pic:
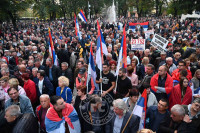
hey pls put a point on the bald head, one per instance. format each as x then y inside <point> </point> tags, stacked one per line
<point>45,101</point>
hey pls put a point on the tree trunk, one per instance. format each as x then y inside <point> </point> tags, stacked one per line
<point>157,4</point>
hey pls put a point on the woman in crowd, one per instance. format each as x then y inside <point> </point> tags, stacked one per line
<point>132,99</point>
<point>113,65</point>
<point>134,64</point>
<point>145,62</point>
<point>181,93</point>
<point>30,88</point>
<point>196,83</point>
<point>63,90</point>
<point>132,77</point>
<point>5,86</point>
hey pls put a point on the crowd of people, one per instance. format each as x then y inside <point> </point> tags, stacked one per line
<point>38,96</point>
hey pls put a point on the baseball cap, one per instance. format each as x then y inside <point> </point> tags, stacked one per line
<point>82,70</point>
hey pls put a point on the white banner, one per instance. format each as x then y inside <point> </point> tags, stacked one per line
<point>137,44</point>
<point>148,33</point>
<point>159,42</point>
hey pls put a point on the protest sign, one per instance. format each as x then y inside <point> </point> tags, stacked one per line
<point>137,44</point>
<point>148,33</point>
<point>159,42</point>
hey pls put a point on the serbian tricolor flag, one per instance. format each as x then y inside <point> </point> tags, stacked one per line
<point>54,124</point>
<point>52,50</point>
<point>104,48</point>
<point>99,53</point>
<point>92,70</point>
<point>133,26</point>
<point>82,16</point>
<point>122,61</point>
<point>141,108</point>
<point>77,28</point>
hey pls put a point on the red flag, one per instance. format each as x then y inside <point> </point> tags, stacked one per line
<point>124,53</point>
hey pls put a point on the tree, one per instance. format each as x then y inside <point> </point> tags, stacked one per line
<point>9,9</point>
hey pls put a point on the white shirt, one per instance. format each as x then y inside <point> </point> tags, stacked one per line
<point>40,85</point>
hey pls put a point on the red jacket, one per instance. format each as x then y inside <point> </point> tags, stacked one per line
<point>168,83</point>
<point>175,97</point>
<point>30,89</point>
<point>176,75</point>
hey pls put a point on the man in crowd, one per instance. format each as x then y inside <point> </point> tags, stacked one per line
<point>161,83</point>
<point>147,78</point>
<point>43,84</point>
<point>120,119</point>
<point>178,123</point>
<point>22,101</point>
<point>63,115</point>
<point>18,122</point>
<point>53,72</point>
<point>176,73</point>
<point>155,114</point>
<point>123,84</point>
<point>41,111</point>
<point>108,81</point>
<point>67,72</point>
<point>171,66</point>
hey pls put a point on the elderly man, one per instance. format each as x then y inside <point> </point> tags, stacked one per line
<point>62,117</point>
<point>41,111</point>
<point>120,119</point>
<point>67,72</point>
<point>20,123</point>
<point>193,111</point>
<point>171,66</point>
<point>178,123</point>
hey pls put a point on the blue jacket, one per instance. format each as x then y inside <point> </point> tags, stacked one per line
<point>24,104</point>
<point>66,94</point>
<point>47,87</point>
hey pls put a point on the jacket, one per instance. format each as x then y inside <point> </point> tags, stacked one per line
<point>132,126</point>
<point>168,83</point>
<point>175,97</point>
<point>195,119</point>
<point>24,104</point>
<point>47,87</point>
<point>66,94</point>
<point>176,75</point>
<point>24,123</point>
<point>30,89</point>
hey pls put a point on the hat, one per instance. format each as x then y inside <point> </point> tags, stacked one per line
<point>34,52</point>
<point>82,70</point>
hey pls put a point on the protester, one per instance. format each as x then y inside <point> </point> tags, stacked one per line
<point>120,119</point>
<point>63,90</point>
<point>156,114</point>
<point>181,93</point>
<point>21,100</point>
<point>18,122</point>
<point>177,122</point>
<point>60,114</point>
<point>161,83</point>
<point>193,111</point>
<point>41,111</point>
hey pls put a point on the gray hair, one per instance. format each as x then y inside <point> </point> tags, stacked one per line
<point>169,58</point>
<point>119,103</point>
<point>45,96</point>
<point>109,55</point>
<point>5,69</point>
<point>65,63</point>
<point>197,100</point>
<point>35,68</point>
<point>14,110</point>
<point>178,109</point>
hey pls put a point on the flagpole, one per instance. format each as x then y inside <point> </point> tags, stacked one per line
<point>116,85</point>
<point>127,122</point>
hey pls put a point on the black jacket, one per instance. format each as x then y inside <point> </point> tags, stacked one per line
<point>132,126</point>
<point>25,123</point>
